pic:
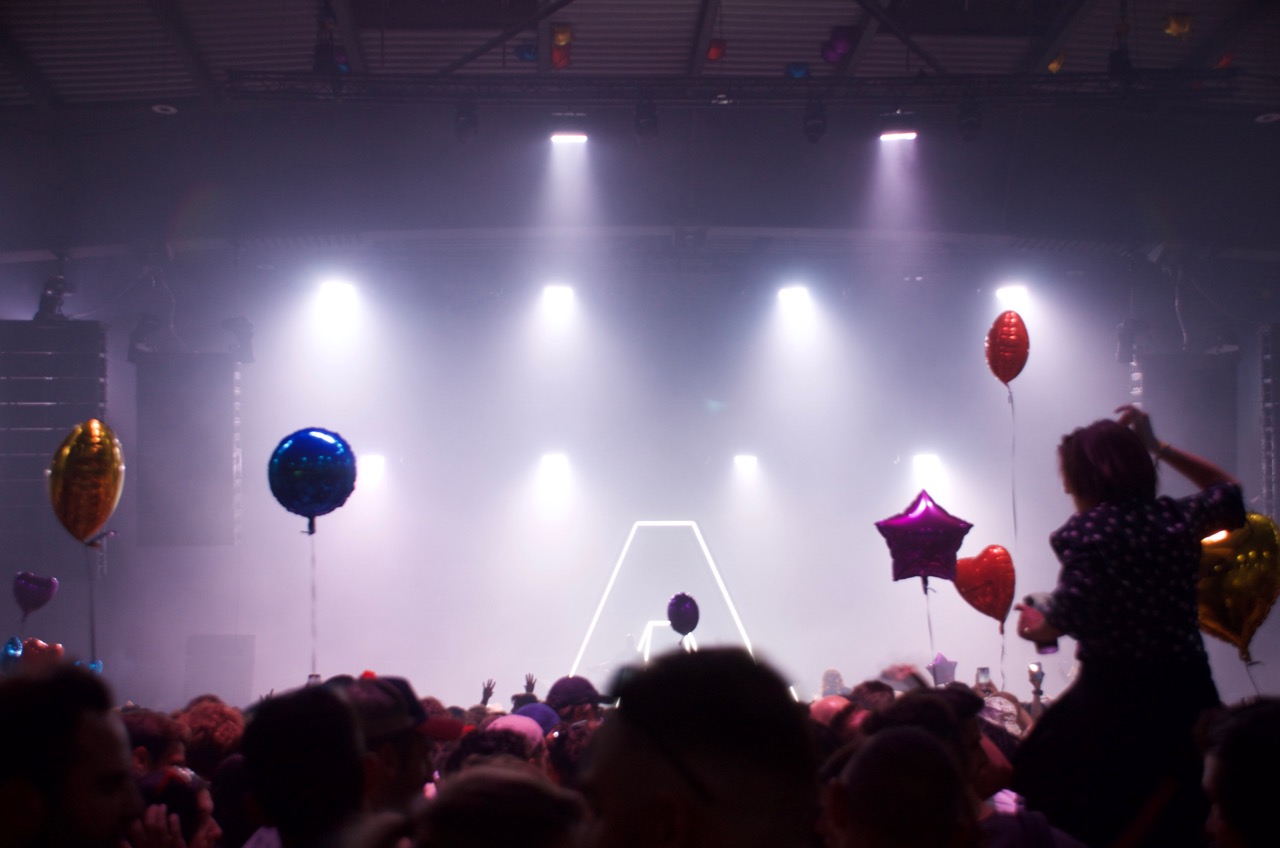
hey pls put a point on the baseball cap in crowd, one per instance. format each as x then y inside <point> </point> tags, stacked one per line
<point>572,691</point>
<point>385,706</point>
<point>546,717</point>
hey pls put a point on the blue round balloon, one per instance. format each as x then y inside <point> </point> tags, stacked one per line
<point>312,472</point>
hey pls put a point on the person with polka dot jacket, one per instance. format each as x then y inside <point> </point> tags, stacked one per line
<point>1114,760</point>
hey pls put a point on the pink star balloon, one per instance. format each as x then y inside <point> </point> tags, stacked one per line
<point>923,540</point>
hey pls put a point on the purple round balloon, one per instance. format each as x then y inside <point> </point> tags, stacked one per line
<point>923,540</point>
<point>33,591</point>
<point>682,612</point>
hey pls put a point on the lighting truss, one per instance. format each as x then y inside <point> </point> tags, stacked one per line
<point>1192,85</point>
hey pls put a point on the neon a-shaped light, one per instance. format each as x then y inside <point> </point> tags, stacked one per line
<point>646,640</point>
<point>622,557</point>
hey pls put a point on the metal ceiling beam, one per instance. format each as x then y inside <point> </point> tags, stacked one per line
<point>175,26</point>
<point>867,33</point>
<point>707,17</point>
<point>1246,14</point>
<point>503,37</point>
<point>27,73</point>
<point>873,8</point>
<point>350,36</point>
<point>1060,31</point>
<point>544,41</point>
<point>1170,86</point>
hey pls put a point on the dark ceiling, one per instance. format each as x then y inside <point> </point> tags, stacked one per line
<point>198,123</point>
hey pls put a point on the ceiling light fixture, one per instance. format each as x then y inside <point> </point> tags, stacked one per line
<point>898,126</point>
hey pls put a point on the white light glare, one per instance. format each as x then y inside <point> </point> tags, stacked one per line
<point>1013,296</point>
<point>557,301</point>
<point>928,471</point>
<point>370,469</point>
<point>568,138</point>
<point>554,485</point>
<point>746,463</point>
<point>554,465</point>
<point>796,303</point>
<point>898,135</point>
<point>336,303</point>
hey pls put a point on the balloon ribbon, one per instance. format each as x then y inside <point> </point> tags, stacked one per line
<point>928,614</point>
<point>1013,464</point>
<point>314,628</point>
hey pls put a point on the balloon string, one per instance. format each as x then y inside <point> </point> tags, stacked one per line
<point>93,612</point>
<point>1248,668</point>
<point>1004,643</point>
<point>314,628</point>
<point>928,615</point>
<point>1013,464</point>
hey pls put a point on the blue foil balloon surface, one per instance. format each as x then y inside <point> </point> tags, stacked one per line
<point>312,472</point>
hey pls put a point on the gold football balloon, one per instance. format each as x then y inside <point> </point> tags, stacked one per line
<point>1239,581</point>
<point>86,478</point>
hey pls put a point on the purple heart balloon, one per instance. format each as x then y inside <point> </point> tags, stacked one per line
<point>33,591</point>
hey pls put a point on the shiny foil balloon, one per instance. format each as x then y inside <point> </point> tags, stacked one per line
<point>86,478</point>
<point>1239,582</point>
<point>682,612</point>
<point>32,591</point>
<point>986,582</point>
<point>923,539</point>
<point>38,655</point>
<point>1007,346</point>
<point>312,472</point>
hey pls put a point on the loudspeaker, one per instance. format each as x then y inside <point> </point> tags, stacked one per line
<point>221,665</point>
<point>186,448</point>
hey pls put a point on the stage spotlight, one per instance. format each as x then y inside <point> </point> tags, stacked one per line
<point>554,480</point>
<point>969,118</point>
<point>646,119</point>
<point>815,121</point>
<point>466,121</point>
<point>335,304</point>
<point>795,300</point>
<point>558,302</point>
<point>370,469</point>
<point>569,128</point>
<point>745,463</point>
<point>1013,296</point>
<point>898,126</point>
<point>928,473</point>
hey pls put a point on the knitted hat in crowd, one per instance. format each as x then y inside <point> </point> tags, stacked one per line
<point>546,717</point>
<point>571,692</point>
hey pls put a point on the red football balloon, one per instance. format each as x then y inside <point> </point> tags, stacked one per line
<point>1007,346</point>
<point>987,582</point>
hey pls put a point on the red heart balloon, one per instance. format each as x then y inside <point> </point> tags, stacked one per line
<point>1007,346</point>
<point>987,582</point>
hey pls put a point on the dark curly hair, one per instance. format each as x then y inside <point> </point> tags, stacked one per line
<point>1106,462</point>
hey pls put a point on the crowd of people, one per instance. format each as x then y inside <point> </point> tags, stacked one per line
<point>710,748</point>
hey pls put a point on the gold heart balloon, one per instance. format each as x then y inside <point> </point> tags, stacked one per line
<point>86,478</point>
<point>1239,581</point>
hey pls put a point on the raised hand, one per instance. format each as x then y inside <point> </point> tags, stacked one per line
<point>529,682</point>
<point>486,691</point>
